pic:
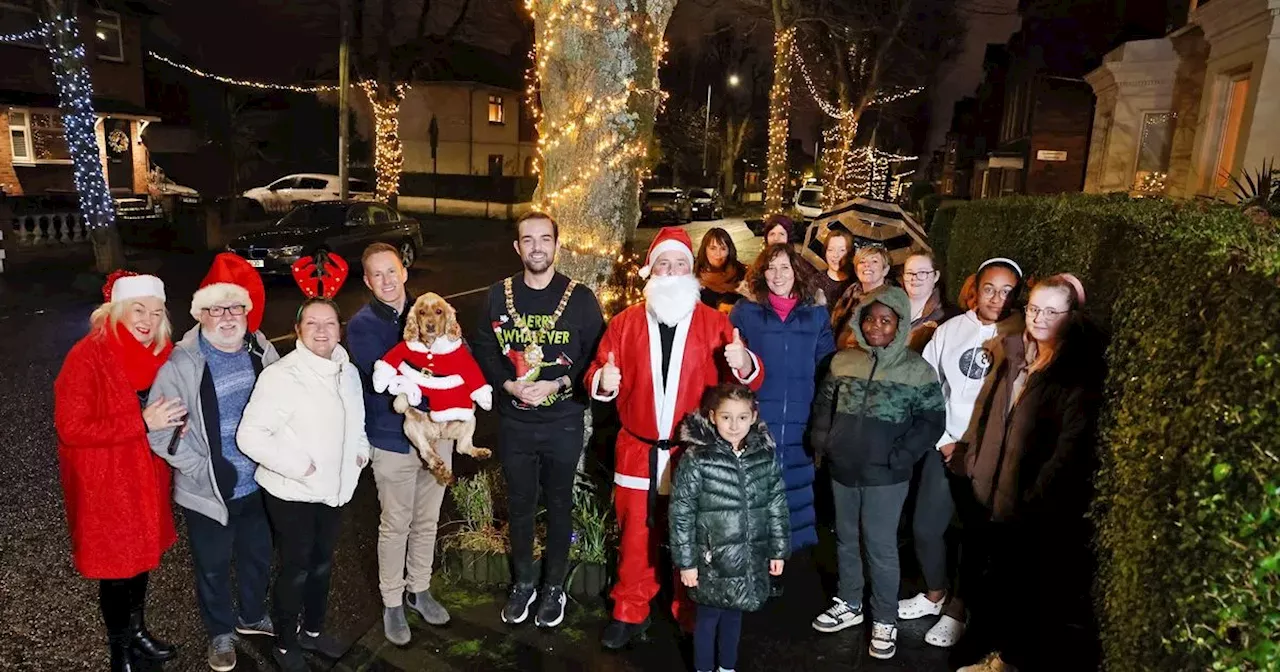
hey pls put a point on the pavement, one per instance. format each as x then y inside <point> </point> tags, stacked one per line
<point>48,615</point>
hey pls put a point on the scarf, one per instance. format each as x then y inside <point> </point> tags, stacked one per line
<point>140,363</point>
<point>782,305</point>
<point>723,281</point>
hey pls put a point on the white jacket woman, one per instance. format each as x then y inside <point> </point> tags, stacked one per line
<point>307,411</point>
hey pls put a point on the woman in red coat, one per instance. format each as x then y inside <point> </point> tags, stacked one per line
<point>116,489</point>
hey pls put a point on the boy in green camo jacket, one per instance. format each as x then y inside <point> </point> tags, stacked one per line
<point>878,410</point>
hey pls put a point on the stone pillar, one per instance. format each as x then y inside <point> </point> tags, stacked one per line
<point>1188,89</point>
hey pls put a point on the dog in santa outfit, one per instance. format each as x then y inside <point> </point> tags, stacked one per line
<point>656,360</point>
<point>433,362</point>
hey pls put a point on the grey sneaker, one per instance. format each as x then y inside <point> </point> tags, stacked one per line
<point>431,611</point>
<point>839,616</point>
<point>884,640</point>
<point>395,626</point>
<point>222,653</point>
<point>263,627</point>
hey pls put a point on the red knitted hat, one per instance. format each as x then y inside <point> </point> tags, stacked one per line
<point>669,238</point>
<point>232,278</point>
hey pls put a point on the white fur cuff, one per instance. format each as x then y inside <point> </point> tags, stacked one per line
<point>383,373</point>
<point>484,397</point>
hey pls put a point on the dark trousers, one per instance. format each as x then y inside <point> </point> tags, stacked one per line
<point>305,534</point>
<point>540,456</point>
<point>930,518</point>
<point>716,633</point>
<point>247,536</point>
<point>118,599</point>
<point>867,518</point>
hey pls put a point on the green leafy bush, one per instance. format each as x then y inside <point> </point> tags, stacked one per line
<point>1188,506</point>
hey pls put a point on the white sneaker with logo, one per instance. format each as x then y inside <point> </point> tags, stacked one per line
<point>839,616</point>
<point>884,640</point>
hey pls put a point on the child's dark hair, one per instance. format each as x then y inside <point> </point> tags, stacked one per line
<point>714,396</point>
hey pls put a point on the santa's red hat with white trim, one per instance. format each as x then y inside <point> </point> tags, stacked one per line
<point>669,239</point>
<point>231,279</point>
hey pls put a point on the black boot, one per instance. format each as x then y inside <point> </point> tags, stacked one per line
<point>121,654</point>
<point>144,644</point>
<point>617,634</point>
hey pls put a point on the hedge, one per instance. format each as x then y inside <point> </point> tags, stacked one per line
<point>1188,505</point>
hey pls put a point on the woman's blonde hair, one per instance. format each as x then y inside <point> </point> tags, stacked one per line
<point>108,315</point>
<point>869,250</point>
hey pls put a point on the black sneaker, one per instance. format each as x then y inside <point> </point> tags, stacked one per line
<point>523,595</point>
<point>289,661</point>
<point>617,634</point>
<point>322,644</point>
<point>551,608</point>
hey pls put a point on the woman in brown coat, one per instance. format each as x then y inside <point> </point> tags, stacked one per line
<point>1031,467</point>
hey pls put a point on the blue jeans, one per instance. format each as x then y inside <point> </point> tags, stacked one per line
<point>867,518</point>
<point>246,535</point>
<point>716,631</point>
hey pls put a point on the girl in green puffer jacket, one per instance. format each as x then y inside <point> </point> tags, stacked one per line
<point>730,527</point>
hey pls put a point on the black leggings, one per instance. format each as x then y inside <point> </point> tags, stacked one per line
<point>118,599</point>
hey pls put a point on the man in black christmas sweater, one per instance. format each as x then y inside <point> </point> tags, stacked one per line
<point>536,336</point>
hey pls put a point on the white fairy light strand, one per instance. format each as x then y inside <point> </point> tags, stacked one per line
<point>323,88</point>
<point>833,111</point>
<point>28,36</point>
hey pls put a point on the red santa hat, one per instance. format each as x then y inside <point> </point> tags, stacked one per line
<point>231,279</point>
<point>669,238</point>
<point>124,285</point>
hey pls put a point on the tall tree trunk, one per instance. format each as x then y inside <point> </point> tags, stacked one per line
<point>75,98</point>
<point>779,170</point>
<point>388,159</point>
<point>735,134</point>
<point>598,83</point>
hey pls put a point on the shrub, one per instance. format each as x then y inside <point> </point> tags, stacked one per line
<point>1188,506</point>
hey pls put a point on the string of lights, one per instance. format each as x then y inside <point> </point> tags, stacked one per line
<point>241,82</point>
<point>75,91</point>
<point>388,151</point>
<point>779,116</point>
<point>827,108</point>
<point>26,36</point>
<point>604,122</point>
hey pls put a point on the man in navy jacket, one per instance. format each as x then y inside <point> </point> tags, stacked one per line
<point>409,495</point>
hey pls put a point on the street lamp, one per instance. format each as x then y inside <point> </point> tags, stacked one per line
<point>706,125</point>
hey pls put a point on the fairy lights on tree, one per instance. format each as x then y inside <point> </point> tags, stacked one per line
<point>596,68</point>
<point>388,150</point>
<point>777,168</point>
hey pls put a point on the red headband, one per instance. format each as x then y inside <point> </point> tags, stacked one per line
<point>320,275</point>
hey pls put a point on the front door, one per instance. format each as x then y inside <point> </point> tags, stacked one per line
<point>119,141</point>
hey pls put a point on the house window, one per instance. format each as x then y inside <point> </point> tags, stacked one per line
<point>19,17</point>
<point>38,137</point>
<point>1232,118</point>
<point>497,113</point>
<point>20,135</point>
<point>1153,152</point>
<point>495,165</point>
<point>109,41</point>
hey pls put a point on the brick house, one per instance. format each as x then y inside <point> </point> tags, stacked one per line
<point>34,160</point>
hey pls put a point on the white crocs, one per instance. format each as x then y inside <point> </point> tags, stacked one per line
<point>945,633</point>
<point>919,607</point>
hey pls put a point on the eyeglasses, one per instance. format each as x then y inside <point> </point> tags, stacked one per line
<point>988,291</point>
<point>919,275</point>
<point>1050,314</point>
<point>217,311</point>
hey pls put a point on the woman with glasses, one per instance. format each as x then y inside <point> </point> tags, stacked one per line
<point>964,353</point>
<point>871,265</point>
<point>1030,468</point>
<point>920,278</point>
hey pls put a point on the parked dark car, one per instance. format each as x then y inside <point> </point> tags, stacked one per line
<point>706,204</point>
<point>665,206</point>
<point>344,227</point>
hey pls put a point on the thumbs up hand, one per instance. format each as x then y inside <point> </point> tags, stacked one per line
<point>735,353</point>
<point>610,376</point>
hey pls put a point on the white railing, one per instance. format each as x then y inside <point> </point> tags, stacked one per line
<point>52,228</point>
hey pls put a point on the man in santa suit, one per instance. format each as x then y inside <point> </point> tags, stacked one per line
<point>656,359</point>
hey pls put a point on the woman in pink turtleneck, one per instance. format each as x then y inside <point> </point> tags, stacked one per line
<point>787,330</point>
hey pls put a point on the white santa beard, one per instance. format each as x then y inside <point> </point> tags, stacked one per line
<point>224,339</point>
<point>671,298</point>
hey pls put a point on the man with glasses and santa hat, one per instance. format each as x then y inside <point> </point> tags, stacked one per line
<point>656,359</point>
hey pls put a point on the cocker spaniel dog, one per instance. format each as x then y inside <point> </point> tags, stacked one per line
<point>433,363</point>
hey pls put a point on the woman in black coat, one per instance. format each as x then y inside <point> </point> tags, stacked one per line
<point>1031,465</point>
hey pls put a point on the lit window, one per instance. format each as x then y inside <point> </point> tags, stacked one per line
<point>20,135</point>
<point>108,40</point>
<point>497,113</point>
<point>1153,152</point>
<point>1233,114</point>
<point>495,165</point>
<point>48,137</point>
